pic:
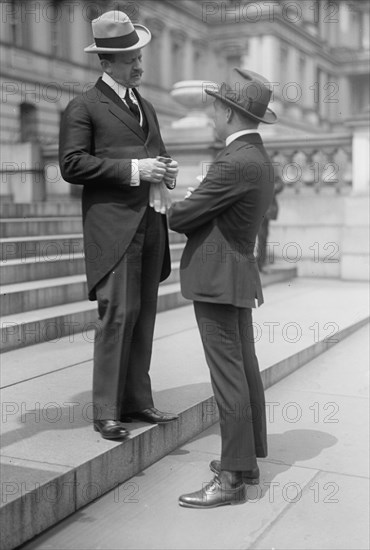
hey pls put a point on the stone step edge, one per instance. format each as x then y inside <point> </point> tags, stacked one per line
<point>42,284</point>
<point>65,257</point>
<point>51,313</point>
<point>65,320</point>
<point>6,240</point>
<point>26,286</point>
<point>55,323</point>
<point>164,288</point>
<point>154,443</point>
<point>60,236</point>
<point>37,219</point>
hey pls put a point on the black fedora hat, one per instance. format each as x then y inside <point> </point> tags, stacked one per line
<point>249,95</point>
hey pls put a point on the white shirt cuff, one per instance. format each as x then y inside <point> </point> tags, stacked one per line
<point>135,176</point>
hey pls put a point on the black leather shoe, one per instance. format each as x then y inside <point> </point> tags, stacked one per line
<point>215,493</point>
<point>250,477</point>
<point>110,429</point>
<point>151,415</point>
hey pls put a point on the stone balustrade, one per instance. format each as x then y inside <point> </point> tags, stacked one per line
<point>316,162</point>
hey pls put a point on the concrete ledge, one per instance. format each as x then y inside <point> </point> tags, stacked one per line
<point>32,505</point>
<point>280,370</point>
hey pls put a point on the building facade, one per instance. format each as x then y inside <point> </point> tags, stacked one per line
<point>315,53</point>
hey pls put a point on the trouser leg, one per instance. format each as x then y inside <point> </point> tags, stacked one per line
<point>219,327</point>
<point>262,243</point>
<point>138,394</point>
<point>127,308</point>
<point>257,413</point>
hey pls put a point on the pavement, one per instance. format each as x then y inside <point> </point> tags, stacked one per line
<point>314,487</point>
<point>54,464</point>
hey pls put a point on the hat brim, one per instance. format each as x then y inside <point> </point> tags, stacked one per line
<point>268,118</point>
<point>145,37</point>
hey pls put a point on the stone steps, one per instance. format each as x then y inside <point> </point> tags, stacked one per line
<point>19,271</point>
<point>67,315</point>
<point>42,247</point>
<point>18,227</point>
<point>42,267</point>
<point>45,310</point>
<point>28,285</point>
<point>40,209</point>
<point>18,298</point>
<point>52,247</point>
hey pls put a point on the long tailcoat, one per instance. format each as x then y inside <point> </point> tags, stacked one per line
<point>98,139</point>
<point>221,219</point>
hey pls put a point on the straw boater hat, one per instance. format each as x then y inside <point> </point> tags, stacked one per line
<point>114,32</point>
<point>249,95</point>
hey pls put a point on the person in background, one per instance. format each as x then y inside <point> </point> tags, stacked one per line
<point>263,233</point>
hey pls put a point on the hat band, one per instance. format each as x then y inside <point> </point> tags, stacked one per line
<point>255,108</point>
<point>118,41</point>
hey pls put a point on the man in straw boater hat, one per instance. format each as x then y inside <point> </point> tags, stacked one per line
<point>219,273</point>
<point>110,143</point>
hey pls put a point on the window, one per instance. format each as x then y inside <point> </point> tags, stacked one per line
<point>178,53</point>
<point>153,57</point>
<point>60,29</point>
<point>28,122</point>
<point>19,19</point>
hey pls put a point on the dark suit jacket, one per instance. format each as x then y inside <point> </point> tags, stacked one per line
<point>98,139</point>
<point>221,219</point>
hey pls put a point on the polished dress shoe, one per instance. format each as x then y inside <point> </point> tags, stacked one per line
<point>151,415</point>
<point>218,492</point>
<point>250,477</point>
<point>110,429</point>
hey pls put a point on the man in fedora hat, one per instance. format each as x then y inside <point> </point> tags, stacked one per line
<point>219,273</point>
<point>111,144</point>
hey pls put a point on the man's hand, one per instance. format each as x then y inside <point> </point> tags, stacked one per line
<point>151,170</point>
<point>172,169</point>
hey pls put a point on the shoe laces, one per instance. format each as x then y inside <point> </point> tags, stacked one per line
<point>213,485</point>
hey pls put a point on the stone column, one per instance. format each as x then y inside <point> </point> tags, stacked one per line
<point>360,153</point>
<point>355,258</point>
<point>166,59</point>
<point>269,66</point>
<point>252,59</point>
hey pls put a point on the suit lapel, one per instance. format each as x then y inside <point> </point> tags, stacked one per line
<point>118,108</point>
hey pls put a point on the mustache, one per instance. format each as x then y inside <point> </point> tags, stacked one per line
<point>138,72</point>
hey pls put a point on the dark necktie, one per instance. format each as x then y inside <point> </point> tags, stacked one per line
<point>132,106</point>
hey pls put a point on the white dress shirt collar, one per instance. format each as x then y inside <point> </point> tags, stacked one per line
<point>121,92</point>
<point>235,135</point>
<point>116,87</point>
